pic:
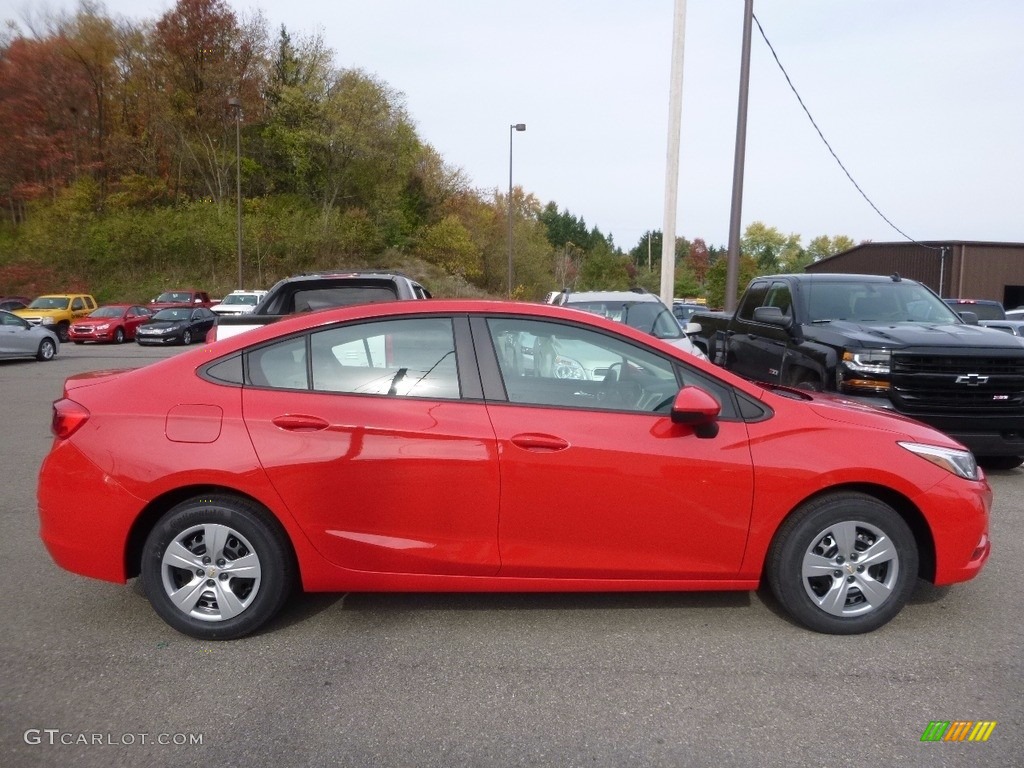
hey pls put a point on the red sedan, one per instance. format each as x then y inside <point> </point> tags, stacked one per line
<point>113,323</point>
<point>491,446</point>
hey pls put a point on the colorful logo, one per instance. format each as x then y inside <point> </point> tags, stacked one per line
<point>958,730</point>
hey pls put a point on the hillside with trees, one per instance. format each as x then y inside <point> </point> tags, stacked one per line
<point>118,173</point>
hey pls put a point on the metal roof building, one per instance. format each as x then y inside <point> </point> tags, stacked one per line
<point>956,269</point>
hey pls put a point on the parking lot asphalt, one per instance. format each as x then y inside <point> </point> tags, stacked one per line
<point>91,676</point>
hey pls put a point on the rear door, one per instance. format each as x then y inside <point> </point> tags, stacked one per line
<point>375,435</point>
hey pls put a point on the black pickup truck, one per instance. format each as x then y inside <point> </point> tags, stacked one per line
<point>320,290</point>
<point>885,341</point>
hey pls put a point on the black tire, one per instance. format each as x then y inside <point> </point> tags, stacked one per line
<point>186,337</point>
<point>837,535</point>
<point>119,336</point>
<point>806,380</point>
<point>47,350</point>
<point>1000,462</point>
<point>63,331</point>
<point>214,604</point>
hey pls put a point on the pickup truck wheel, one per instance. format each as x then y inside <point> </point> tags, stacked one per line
<point>843,564</point>
<point>1000,462</point>
<point>216,567</point>
<point>807,381</point>
<point>63,332</point>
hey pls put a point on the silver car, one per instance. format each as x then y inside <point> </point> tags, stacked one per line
<point>637,309</point>
<point>19,338</point>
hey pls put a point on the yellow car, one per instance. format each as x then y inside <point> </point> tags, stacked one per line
<point>56,311</point>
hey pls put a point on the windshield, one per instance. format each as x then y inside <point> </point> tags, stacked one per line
<point>248,299</point>
<point>108,312</point>
<point>173,296</point>
<point>895,302</point>
<point>173,314</point>
<point>50,302</point>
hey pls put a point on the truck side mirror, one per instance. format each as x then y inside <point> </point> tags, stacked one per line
<point>971,318</point>
<point>772,316</point>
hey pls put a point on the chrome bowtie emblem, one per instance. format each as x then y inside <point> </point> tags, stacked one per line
<point>972,380</point>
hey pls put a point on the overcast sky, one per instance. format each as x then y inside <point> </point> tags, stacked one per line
<point>922,100</point>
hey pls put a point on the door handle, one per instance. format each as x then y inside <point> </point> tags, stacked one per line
<point>532,441</point>
<point>300,423</point>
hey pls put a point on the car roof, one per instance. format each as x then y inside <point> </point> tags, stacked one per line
<point>634,296</point>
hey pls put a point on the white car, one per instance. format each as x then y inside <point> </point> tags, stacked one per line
<point>238,302</point>
<point>641,310</point>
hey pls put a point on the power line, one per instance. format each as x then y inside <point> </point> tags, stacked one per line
<point>829,146</point>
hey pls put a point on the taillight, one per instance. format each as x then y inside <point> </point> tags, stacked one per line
<point>68,416</point>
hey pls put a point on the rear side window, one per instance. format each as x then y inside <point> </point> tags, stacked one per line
<point>396,358</point>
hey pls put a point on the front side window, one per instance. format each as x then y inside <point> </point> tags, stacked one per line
<point>552,364</point>
<point>752,299</point>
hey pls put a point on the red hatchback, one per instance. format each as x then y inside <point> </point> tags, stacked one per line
<point>112,322</point>
<point>489,446</point>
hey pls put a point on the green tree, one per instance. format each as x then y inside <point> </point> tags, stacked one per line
<point>772,250</point>
<point>717,277</point>
<point>824,246</point>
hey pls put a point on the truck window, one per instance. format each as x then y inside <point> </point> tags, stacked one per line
<point>779,296</point>
<point>753,299</point>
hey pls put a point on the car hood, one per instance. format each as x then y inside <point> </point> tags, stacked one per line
<point>686,345</point>
<point>26,312</point>
<point>837,408</point>
<point>896,335</point>
<point>153,325</point>
<point>93,321</point>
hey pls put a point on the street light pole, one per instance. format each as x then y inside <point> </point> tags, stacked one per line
<point>236,104</point>
<point>511,128</point>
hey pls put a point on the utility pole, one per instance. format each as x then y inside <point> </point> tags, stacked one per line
<point>675,113</point>
<point>732,274</point>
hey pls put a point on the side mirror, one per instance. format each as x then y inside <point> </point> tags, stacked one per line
<point>772,316</point>
<point>691,328</point>
<point>971,318</point>
<point>696,408</point>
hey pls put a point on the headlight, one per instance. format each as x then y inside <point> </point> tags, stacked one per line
<point>567,368</point>
<point>102,327</point>
<point>46,321</point>
<point>865,371</point>
<point>959,462</point>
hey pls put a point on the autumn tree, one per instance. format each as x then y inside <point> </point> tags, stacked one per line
<point>207,57</point>
<point>698,260</point>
